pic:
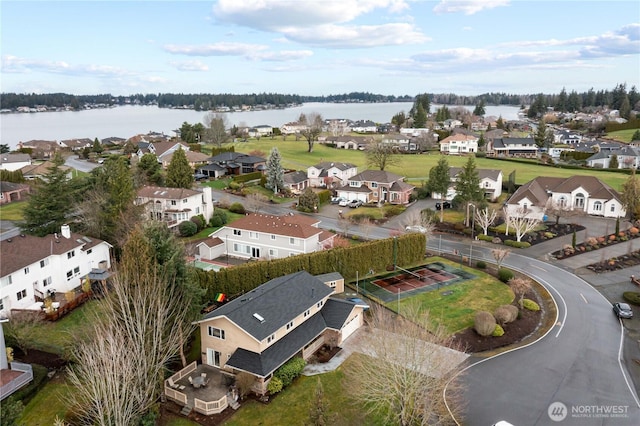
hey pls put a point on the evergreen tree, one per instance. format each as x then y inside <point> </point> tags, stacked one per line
<point>149,170</point>
<point>481,141</point>
<point>97,146</point>
<point>467,186</point>
<point>562,101</point>
<point>51,205</point>
<point>308,201</point>
<point>574,103</point>
<point>541,134</point>
<point>421,99</point>
<point>4,148</point>
<point>179,172</point>
<point>420,119</point>
<point>631,195</point>
<point>500,123</point>
<point>439,181</point>
<point>613,162</point>
<point>479,109</point>
<point>636,136</point>
<point>275,173</point>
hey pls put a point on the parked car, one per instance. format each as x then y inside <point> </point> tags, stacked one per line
<point>336,200</point>
<point>416,228</point>
<point>354,204</point>
<point>622,310</point>
<point>343,203</point>
<point>200,176</point>
<point>445,205</point>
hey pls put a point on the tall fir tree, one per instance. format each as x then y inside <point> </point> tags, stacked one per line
<point>439,181</point>
<point>468,188</point>
<point>275,173</point>
<point>179,172</point>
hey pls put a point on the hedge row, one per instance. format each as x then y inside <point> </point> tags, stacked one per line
<point>376,255</point>
<point>247,177</point>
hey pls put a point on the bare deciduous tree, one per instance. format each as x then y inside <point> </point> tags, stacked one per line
<point>520,286</point>
<point>520,222</point>
<point>404,381</point>
<point>256,202</point>
<point>381,155</point>
<point>21,328</point>
<point>500,255</point>
<point>485,218</point>
<point>422,219</point>
<point>560,209</point>
<point>312,123</point>
<point>216,132</point>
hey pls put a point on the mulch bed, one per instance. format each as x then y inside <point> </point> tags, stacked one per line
<point>34,356</point>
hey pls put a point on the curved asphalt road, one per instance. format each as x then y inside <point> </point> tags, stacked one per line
<point>576,363</point>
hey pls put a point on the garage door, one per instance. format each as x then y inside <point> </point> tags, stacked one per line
<point>351,326</point>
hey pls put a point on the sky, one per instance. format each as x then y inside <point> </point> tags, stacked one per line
<point>318,47</point>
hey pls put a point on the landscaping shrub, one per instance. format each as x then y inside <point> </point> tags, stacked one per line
<point>505,275</point>
<point>234,186</point>
<point>216,222</point>
<point>244,382</point>
<point>275,385</point>
<point>631,297</point>
<point>237,208</point>
<point>290,370</point>
<point>198,221</point>
<point>530,305</point>
<point>484,323</point>
<point>187,228</point>
<point>517,244</point>
<point>483,237</point>
<point>505,314</point>
<point>324,196</point>
<point>393,210</point>
<point>498,331</point>
<point>221,217</point>
<point>481,264</point>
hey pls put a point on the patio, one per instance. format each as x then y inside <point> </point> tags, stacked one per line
<point>209,399</point>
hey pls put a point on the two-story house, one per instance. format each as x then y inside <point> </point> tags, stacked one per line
<point>376,186</point>
<point>161,149</point>
<point>237,163</point>
<point>458,144</point>
<point>263,236</point>
<point>175,205</point>
<point>33,266</point>
<point>329,175</point>
<point>364,126</point>
<point>400,141</point>
<point>628,157</point>
<point>490,182</point>
<point>585,194</point>
<point>285,317</point>
<point>512,147</point>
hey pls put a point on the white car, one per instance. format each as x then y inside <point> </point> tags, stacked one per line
<point>416,228</point>
<point>343,203</point>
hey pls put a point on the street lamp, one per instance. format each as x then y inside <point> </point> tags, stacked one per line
<point>473,225</point>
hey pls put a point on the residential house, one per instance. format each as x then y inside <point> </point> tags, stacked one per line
<point>162,150</point>
<point>40,148</point>
<point>288,316</point>
<point>401,142</point>
<point>260,131</point>
<point>194,158</point>
<point>237,163</point>
<point>566,137</point>
<point>331,175</point>
<point>358,143</point>
<point>39,171</point>
<point>296,181</point>
<point>32,266</point>
<point>585,194</point>
<point>175,205</point>
<point>113,141</point>
<point>628,157</point>
<point>364,126</point>
<point>292,128</point>
<point>10,191</point>
<point>76,144</point>
<point>512,147</point>
<point>13,162</point>
<point>263,236</point>
<point>490,182</point>
<point>450,124</point>
<point>376,186</point>
<point>458,144</point>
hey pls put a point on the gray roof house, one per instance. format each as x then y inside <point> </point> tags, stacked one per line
<point>375,186</point>
<point>512,147</point>
<point>628,157</point>
<point>288,316</point>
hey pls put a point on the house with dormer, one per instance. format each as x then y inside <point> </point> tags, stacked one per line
<point>33,266</point>
<point>585,194</point>
<point>364,126</point>
<point>331,174</point>
<point>175,205</point>
<point>161,149</point>
<point>400,142</point>
<point>264,236</point>
<point>459,144</point>
<point>376,186</point>
<point>288,316</point>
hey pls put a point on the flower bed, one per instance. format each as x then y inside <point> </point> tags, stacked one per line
<point>596,243</point>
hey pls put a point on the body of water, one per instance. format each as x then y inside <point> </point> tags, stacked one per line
<point>127,121</point>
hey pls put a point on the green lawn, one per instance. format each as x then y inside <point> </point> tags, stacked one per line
<point>456,311</point>
<point>622,135</point>
<point>12,211</point>
<point>50,401</point>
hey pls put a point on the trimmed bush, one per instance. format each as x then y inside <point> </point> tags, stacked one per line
<point>631,297</point>
<point>483,237</point>
<point>530,305</point>
<point>199,222</point>
<point>481,264</point>
<point>505,314</point>
<point>237,208</point>
<point>484,323</point>
<point>498,331</point>
<point>517,244</point>
<point>275,385</point>
<point>290,370</point>
<point>187,228</point>
<point>505,275</point>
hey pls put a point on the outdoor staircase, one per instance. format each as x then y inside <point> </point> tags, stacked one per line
<point>186,410</point>
<point>234,404</point>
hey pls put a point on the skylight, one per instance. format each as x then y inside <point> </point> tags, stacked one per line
<point>258,317</point>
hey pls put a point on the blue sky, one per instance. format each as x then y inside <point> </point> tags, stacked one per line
<point>318,47</point>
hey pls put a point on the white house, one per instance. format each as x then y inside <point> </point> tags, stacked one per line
<point>490,182</point>
<point>586,194</point>
<point>13,162</point>
<point>175,205</point>
<point>263,236</point>
<point>400,141</point>
<point>364,126</point>
<point>260,131</point>
<point>326,174</point>
<point>459,143</point>
<point>33,266</point>
<point>628,157</point>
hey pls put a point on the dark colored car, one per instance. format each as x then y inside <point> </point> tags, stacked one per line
<point>622,310</point>
<point>446,205</point>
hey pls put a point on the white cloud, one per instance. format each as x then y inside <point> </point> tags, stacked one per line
<point>281,56</point>
<point>15,64</point>
<point>189,66</point>
<point>215,49</point>
<point>345,37</point>
<point>468,7</point>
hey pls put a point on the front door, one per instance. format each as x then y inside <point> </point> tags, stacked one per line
<point>213,357</point>
<point>255,252</point>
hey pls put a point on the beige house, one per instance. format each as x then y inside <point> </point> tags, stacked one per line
<point>328,174</point>
<point>375,186</point>
<point>458,144</point>
<point>175,205</point>
<point>288,316</point>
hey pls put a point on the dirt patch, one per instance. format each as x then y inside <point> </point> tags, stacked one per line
<point>46,359</point>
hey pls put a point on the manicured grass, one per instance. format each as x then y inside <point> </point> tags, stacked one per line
<point>217,184</point>
<point>291,407</point>
<point>415,167</point>
<point>374,212</point>
<point>181,421</point>
<point>50,401</point>
<point>456,311</point>
<point>622,135</point>
<point>12,211</point>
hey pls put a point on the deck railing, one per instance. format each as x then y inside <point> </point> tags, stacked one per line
<point>18,382</point>
<point>210,407</point>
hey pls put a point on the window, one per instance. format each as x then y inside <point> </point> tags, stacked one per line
<point>562,201</point>
<point>237,232</point>
<point>26,270</point>
<point>271,338</point>
<point>579,201</point>
<point>253,235</point>
<point>21,294</point>
<point>69,275</point>
<point>374,184</point>
<point>354,183</point>
<point>1,304</point>
<point>44,263</point>
<point>273,252</point>
<point>290,325</point>
<point>293,241</point>
<point>71,254</point>
<point>173,202</point>
<point>597,206</point>
<point>197,210</point>
<point>46,281</point>
<point>319,304</point>
<point>332,284</point>
<point>216,332</point>
<point>613,208</point>
<point>307,313</point>
<point>76,270</point>
<point>273,237</point>
<point>10,280</point>
<point>89,251</point>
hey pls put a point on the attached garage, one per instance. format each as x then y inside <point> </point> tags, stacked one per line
<point>352,325</point>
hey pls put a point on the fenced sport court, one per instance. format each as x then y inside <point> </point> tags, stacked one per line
<point>404,283</point>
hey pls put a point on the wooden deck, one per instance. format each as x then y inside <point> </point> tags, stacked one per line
<point>207,400</point>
